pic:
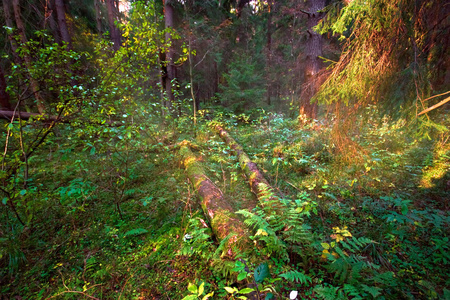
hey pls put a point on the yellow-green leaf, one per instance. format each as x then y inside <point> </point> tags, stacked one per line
<point>231,290</point>
<point>325,246</point>
<point>201,288</point>
<point>246,291</point>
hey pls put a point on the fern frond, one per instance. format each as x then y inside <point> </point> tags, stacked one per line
<point>329,293</point>
<point>373,290</point>
<point>135,232</point>
<point>352,291</point>
<point>296,276</point>
<point>384,278</point>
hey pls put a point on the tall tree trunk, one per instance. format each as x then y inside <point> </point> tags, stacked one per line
<point>10,24</point>
<point>169,25</point>
<point>62,23</point>
<point>114,31</point>
<point>269,51</point>
<point>240,6</point>
<point>191,77</point>
<point>98,16</point>
<point>34,85</point>
<point>4,96</point>
<point>313,64</point>
<point>50,15</point>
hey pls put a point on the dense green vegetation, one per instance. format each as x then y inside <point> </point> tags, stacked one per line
<point>95,199</point>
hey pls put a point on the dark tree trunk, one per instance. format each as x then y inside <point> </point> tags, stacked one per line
<point>10,24</point>
<point>62,23</point>
<point>269,52</point>
<point>9,114</point>
<point>34,85</point>
<point>170,67</point>
<point>240,6</point>
<point>4,96</point>
<point>98,16</point>
<point>114,31</point>
<point>313,64</point>
<point>50,16</point>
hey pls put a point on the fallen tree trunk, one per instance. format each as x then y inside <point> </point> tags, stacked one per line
<point>258,184</point>
<point>219,212</point>
<point>9,114</point>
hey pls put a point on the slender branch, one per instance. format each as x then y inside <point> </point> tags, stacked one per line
<point>437,96</point>
<point>305,12</point>
<point>201,59</point>
<point>435,106</point>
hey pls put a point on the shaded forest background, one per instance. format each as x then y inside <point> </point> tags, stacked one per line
<point>342,104</point>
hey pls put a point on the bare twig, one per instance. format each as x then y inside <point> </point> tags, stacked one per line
<point>437,96</point>
<point>435,106</point>
<point>201,59</point>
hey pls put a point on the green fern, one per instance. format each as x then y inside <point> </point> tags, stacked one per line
<point>296,276</point>
<point>329,293</point>
<point>372,290</point>
<point>353,291</point>
<point>384,278</point>
<point>135,232</point>
<point>349,265</point>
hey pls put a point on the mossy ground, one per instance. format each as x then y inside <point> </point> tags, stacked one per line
<point>111,224</point>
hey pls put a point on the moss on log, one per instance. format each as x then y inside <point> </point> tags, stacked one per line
<point>258,184</point>
<point>219,212</point>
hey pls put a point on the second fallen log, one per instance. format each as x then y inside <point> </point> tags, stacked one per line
<point>218,211</point>
<point>258,184</point>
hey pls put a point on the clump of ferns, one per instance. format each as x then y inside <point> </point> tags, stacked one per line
<point>280,228</point>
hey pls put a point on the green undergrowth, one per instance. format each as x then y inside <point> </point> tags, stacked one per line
<point>112,215</point>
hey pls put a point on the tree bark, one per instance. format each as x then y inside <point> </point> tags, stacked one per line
<point>219,212</point>
<point>269,52</point>
<point>170,66</point>
<point>8,114</point>
<point>10,24</point>
<point>4,96</point>
<point>313,64</point>
<point>34,85</point>
<point>62,22</point>
<point>258,184</point>
<point>240,6</point>
<point>98,16</point>
<point>50,16</point>
<point>114,31</point>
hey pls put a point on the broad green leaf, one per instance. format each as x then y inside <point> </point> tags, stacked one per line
<point>192,288</point>
<point>208,295</point>
<point>325,246</point>
<point>261,272</point>
<point>246,290</point>
<point>241,276</point>
<point>190,297</point>
<point>231,290</point>
<point>269,296</point>
<point>201,288</point>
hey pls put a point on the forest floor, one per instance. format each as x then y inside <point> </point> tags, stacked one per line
<point>364,216</point>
